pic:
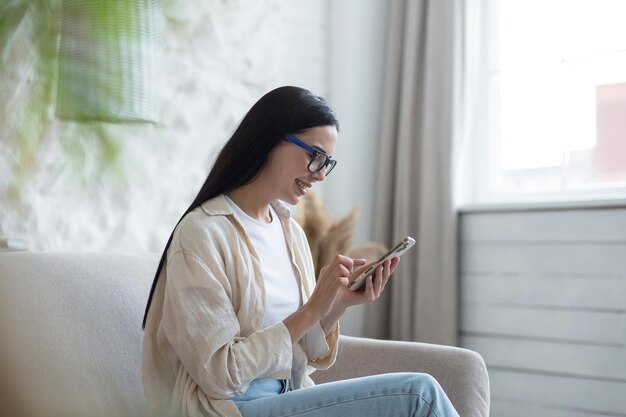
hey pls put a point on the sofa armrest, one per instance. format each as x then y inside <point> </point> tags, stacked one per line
<point>461,372</point>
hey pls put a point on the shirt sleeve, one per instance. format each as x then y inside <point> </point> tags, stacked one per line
<point>314,342</point>
<point>324,357</point>
<point>200,323</point>
<point>321,349</point>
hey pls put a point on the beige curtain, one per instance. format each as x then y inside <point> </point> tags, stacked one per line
<point>415,178</point>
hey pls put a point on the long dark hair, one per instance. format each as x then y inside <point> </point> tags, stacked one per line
<point>279,112</point>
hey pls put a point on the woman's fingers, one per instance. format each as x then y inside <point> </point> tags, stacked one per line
<point>369,293</point>
<point>342,271</point>
<point>386,273</point>
<point>335,274</point>
<point>374,284</point>
<point>359,268</point>
<point>394,262</point>
<point>341,266</point>
<point>380,278</point>
<point>359,261</point>
<point>379,282</point>
<point>345,262</point>
<point>342,274</point>
<point>389,268</point>
<point>331,279</point>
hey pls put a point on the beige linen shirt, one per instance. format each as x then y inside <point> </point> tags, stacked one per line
<point>202,341</point>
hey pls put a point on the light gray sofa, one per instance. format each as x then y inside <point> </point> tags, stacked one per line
<point>70,341</point>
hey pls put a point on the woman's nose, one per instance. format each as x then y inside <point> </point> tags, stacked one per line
<point>320,175</point>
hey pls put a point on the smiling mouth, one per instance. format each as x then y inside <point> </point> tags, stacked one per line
<point>302,186</point>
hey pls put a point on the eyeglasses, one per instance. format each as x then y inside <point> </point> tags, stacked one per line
<point>319,160</point>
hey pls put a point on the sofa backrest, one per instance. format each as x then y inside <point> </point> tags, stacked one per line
<point>70,333</point>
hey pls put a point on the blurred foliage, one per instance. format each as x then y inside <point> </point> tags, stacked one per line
<point>108,59</point>
<point>29,58</point>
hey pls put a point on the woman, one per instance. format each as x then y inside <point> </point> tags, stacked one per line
<point>236,322</point>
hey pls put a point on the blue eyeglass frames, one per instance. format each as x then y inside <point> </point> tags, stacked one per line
<point>319,160</point>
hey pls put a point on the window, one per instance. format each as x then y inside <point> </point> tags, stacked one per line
<point>550,122</point>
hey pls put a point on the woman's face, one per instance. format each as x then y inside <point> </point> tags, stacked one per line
<point>286,170</point>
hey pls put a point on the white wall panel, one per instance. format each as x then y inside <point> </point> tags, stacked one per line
<point>543,299</point>
<point>593,292</point>
<point>546,225</point>
<point>574,359</point>
<point>559,393</point>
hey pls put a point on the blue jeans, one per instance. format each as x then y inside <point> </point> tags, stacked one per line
<point>398,394</point>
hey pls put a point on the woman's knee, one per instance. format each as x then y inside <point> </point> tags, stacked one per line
<point>425,384</point>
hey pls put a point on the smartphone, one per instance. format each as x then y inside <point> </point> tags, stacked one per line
<point>404,245</point>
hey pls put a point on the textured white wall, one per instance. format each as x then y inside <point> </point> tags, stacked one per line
<point>359,34</point>
<point>219,57</point>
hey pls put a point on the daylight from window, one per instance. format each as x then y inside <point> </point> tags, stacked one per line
<point>560,95</point>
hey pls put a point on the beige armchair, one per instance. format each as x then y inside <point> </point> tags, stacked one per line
<point>71,341</point>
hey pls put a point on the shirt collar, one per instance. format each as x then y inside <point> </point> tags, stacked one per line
<point>281,208</point>
<point>218,206</point>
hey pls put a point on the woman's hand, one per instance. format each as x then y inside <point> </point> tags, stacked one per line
<point>333,279</point>
<point>332,296</point>
<point>374,284</point>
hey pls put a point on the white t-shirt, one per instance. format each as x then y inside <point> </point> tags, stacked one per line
<point>281,287</point>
